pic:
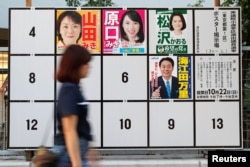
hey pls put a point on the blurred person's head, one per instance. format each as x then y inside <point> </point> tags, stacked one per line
<point>74,64</point>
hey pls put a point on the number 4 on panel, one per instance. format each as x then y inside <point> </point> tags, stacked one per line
<point>32,32</point>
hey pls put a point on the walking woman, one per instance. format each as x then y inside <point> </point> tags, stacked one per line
<point>73,129</point>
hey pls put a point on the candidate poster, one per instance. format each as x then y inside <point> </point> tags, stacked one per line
<point>217,31</point>
<point>124,31</point>
<point>217,77</point>
<point>170,77</point>
<point>172,32</point>
<point>78,27</point>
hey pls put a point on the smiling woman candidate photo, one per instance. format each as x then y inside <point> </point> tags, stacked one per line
<point>69,26</point>
<point>131,29</point>
<point>177,24</point>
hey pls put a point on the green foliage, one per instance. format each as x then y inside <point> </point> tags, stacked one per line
<point>245,14</point>
<point>99,3</point>
<point>80,3</point>
<point>73,3</point>
<point>197,4</point>
<point>229,2</point>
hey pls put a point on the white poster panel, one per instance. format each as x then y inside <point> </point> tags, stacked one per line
<point>171,124</point>
<point>32,31</point>
<point>94,117</point>
<point>90,86</point>
<point>217,31</point>
<point>32,124</point>
<point>124,124</point>
<point>217,124</point>
<point>125,78</point>
<point>32,78</point>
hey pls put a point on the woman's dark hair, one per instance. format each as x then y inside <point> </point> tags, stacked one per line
<point>167,59</point>
<point>134,16</point>
<point>73,15</point>
<point>72,59</point>
<point>182,19</point>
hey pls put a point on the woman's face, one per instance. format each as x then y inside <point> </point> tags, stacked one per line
<point>84,70</point>
<point>177,23</point>
<point>166,69</point>
<point>69,31</point>
<point>130,27</point>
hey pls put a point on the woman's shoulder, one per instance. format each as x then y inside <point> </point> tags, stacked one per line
<point>69,89</point>
<point>69,86</point>
<point>176,36</point>
<point>126,44</point>
<point>60,47</point>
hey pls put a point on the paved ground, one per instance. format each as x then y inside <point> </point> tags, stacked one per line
<point>21,162</point>
<point>18,159</point>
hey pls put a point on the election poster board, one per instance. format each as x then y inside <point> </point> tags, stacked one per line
<point>160,78</point>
